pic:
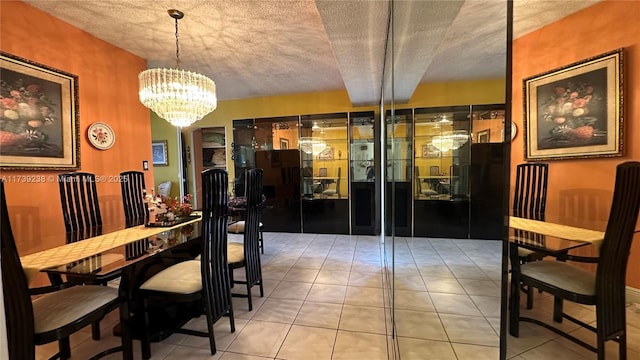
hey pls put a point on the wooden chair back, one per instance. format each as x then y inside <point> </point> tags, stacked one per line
<point>215,272</point>
<point>253,179</point>
<point>17,302</point>
<point>80,207</point>
<point>136,211</point>
<point>530,195</point>
<point>615,249</point>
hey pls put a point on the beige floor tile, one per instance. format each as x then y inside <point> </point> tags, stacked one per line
<point>187,352</point>
<point>420,349</point>
<point>308,343</point>
<point>414,283</point>
<point>260,338</point>
<point>221,330</point>
<point>428,271</point>
<point>443,285</point>
<point>327,293</point>
<point>291,290</point>
<point>488,305</point>
<point>551,350</point>
<point>476,352</point>
<point>301,275</point>
<point>480,287</point>
<point>363,319</point>
<point>310,262</point>
<point>364,296</point>
<point>319,315</point>
<point>241,307</point>
<point>454,304</point>
<point>365,279</point>
<point>332,277</point>
<point>413,300</point>
<point>420,325</point>
<point>353,345</point>
<point>235,356</point>
<point>469,330</point>
<point>278,310</point>
<point>274,272</point>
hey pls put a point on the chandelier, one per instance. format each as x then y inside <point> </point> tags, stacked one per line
<point>181,97</point>
<point>450,140</point>
<point>312,146</point>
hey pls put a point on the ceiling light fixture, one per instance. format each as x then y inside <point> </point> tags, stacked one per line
<point>312,146</point>
<point>451,140</point>
<point>181,97</point>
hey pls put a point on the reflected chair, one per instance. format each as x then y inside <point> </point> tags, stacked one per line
<point>336,189</point>
<point>529,201</point>
<point>132,186</point>
<point>420,191</point>
<point>206,280</point>
<point>246,254</point>
<point>51,317</point>
<point>606,288</point>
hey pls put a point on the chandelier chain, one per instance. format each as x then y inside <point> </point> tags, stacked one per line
<point>177,46</point>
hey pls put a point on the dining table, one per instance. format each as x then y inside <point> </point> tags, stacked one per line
<point>135,253</point>
<point>547,238</point>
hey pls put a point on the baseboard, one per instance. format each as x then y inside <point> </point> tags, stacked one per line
<point>633,295</point>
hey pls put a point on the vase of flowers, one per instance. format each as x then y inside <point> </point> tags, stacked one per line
<point>167,210</point>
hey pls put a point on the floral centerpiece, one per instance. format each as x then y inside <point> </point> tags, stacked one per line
<point>164,209</point>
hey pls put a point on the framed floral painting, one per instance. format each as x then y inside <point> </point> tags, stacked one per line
<point>575,111</point>
<point>38,116</point>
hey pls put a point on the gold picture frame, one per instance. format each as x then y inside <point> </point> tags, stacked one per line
<point>39,127</point>
<point>575,111</point>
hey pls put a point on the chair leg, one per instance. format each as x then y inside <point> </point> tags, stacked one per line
<point>529,297</point>
<point>145,345</point>
<point>261,289</point>
<point>249,296</point>
<point>514,306</point>
<point>232,320</point>
<point>557,309</point>
<point>95,330</point>
<point>261,241</point>
<point>64,347</point>
<point>623,347</point>
<point>212,340</point>
<point>231,282</point>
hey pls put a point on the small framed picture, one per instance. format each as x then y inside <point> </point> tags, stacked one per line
<point>284,144</point>
<point>483,136</point>
<point>159,152</point>
<point>430,151</point>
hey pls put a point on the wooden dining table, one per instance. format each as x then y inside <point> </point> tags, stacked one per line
<point>133,253</point>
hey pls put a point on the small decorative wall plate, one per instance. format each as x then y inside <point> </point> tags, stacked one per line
<point>101,135</point>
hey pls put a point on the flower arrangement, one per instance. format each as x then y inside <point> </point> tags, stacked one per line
<point>572,112</point>
<point>24,110</point>
<point>167,209</point>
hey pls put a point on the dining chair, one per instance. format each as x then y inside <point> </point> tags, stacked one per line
<point>336,189</point>
<point>529,201</point>
<point>132,187</point>
<point>80,206</point>
<point>246,254</point>
<point>606,288</point>
<point>50,317</point>
<point>206,280</point>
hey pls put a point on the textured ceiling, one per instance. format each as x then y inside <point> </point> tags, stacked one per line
<point>262,48</point>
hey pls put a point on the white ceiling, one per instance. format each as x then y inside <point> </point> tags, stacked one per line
<point>262,48</point>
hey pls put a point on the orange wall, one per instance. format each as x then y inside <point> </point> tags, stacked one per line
<point>580,191</point>
<point>108,86</point>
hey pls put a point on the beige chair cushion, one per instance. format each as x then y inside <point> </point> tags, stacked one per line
<point>237,227</point>
<point>562,275</point>
<point>57,309</point>
<point>182,278</point>
<point>235,252</point>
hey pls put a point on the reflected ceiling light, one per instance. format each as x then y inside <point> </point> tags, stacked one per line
<point>450,140</point>
<point>181,97</point>
<point>312,146</point>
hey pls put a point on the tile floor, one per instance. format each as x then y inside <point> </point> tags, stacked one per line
<point>324,299</point>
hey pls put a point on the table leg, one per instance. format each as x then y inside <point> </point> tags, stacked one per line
<point>125,315</point>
